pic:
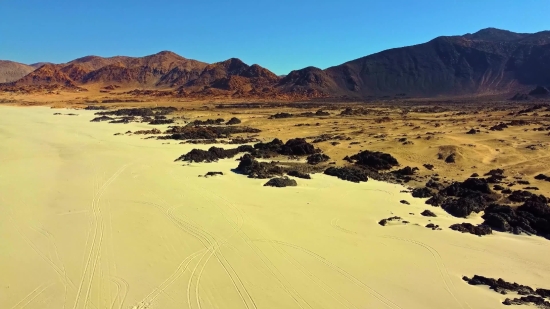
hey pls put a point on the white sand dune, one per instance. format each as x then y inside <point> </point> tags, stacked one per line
<point>93,220</point>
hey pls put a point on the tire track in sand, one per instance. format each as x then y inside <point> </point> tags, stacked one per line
<point>442,269</point>
<point>384,300</point>
<point>32,296</point>
<point>272,269</point>
<point>93,259</point>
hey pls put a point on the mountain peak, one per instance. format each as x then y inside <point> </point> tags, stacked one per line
<point>166,52</point>
<point>494,34</point>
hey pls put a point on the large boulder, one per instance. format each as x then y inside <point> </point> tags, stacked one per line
<point>297,147</point>
<point>281,182</point>
<point>375,160</point>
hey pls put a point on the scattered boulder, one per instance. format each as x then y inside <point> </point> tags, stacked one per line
<point>519,196</point>
<point>434,227</point>
<point>298,174</point>
<point>428,166</point>
<point>479,230</point>
<point>422,192</point>
<point>503,287</point>
<point>542,177</point>
<point>214,174</point>
<point>317,158</point>
<point>233,121</point>
<point>298,147</point>
<point>404,202</point>
<point>406,171</point>
<point>281,182</point>
<point>205,132</point>
<point>500,285</point>
<point>526,300</point>
<point>102,118</point>
<point>375,160</point>
<point>428,213</point>
<point>383,222</point>
<point>281,115</point>
<point>347,173</point>
<point>254,169</point>
<point>213,154</point>
<point>142,111</point>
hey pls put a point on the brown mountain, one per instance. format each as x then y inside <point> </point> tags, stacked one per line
<point>487,62</point>
<point>490,61</point>
<point>148,70</point>
<point>39,64</point>
<point>11,71</point>
<point>233,75</point>
<point>48,74</point>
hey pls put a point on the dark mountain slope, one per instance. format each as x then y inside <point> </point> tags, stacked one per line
<point>487,62</point>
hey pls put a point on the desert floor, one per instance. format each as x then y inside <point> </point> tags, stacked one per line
<point>93,220</point>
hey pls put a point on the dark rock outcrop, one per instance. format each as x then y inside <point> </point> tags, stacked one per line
<point>281,182</point>
<point>428,213</point>
<point>317,158</point>
<point>298,174</point>
<point>383,222</point>
<point>297,147</point>
<point>254,169</point>
<point>500,285</point>
<point>214,174</point>
<point>527,300</point>
<point>375,160</point>
<point>233,121</point>
<point>479,230</point>
<point>213,154</point>
<point>347,173</point>
<point>422,192</point>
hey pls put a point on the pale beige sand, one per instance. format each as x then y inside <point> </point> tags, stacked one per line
<point>93,220</point>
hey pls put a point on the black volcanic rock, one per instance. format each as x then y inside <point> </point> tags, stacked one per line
<point>347,173</point>
<point>533,217</point>
<point>281,182</point>
<point>297,147</point>
<point>254,169</point>
<point>478,230</point>
<point>375,160</point>
<point>428,213</point>
<point>317,158</point>
<point>233,121</point>
<point>298,174</point>
<point>422,192</point>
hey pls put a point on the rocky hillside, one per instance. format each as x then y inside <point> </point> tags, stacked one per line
<point>487,62</point>
<point>11,71</point>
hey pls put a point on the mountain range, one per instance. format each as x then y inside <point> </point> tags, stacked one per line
<point>490,61</point>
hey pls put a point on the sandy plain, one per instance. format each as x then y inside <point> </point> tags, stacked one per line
<point>93,220</point>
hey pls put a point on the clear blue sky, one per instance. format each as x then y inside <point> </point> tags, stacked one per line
<point>280,35</point>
